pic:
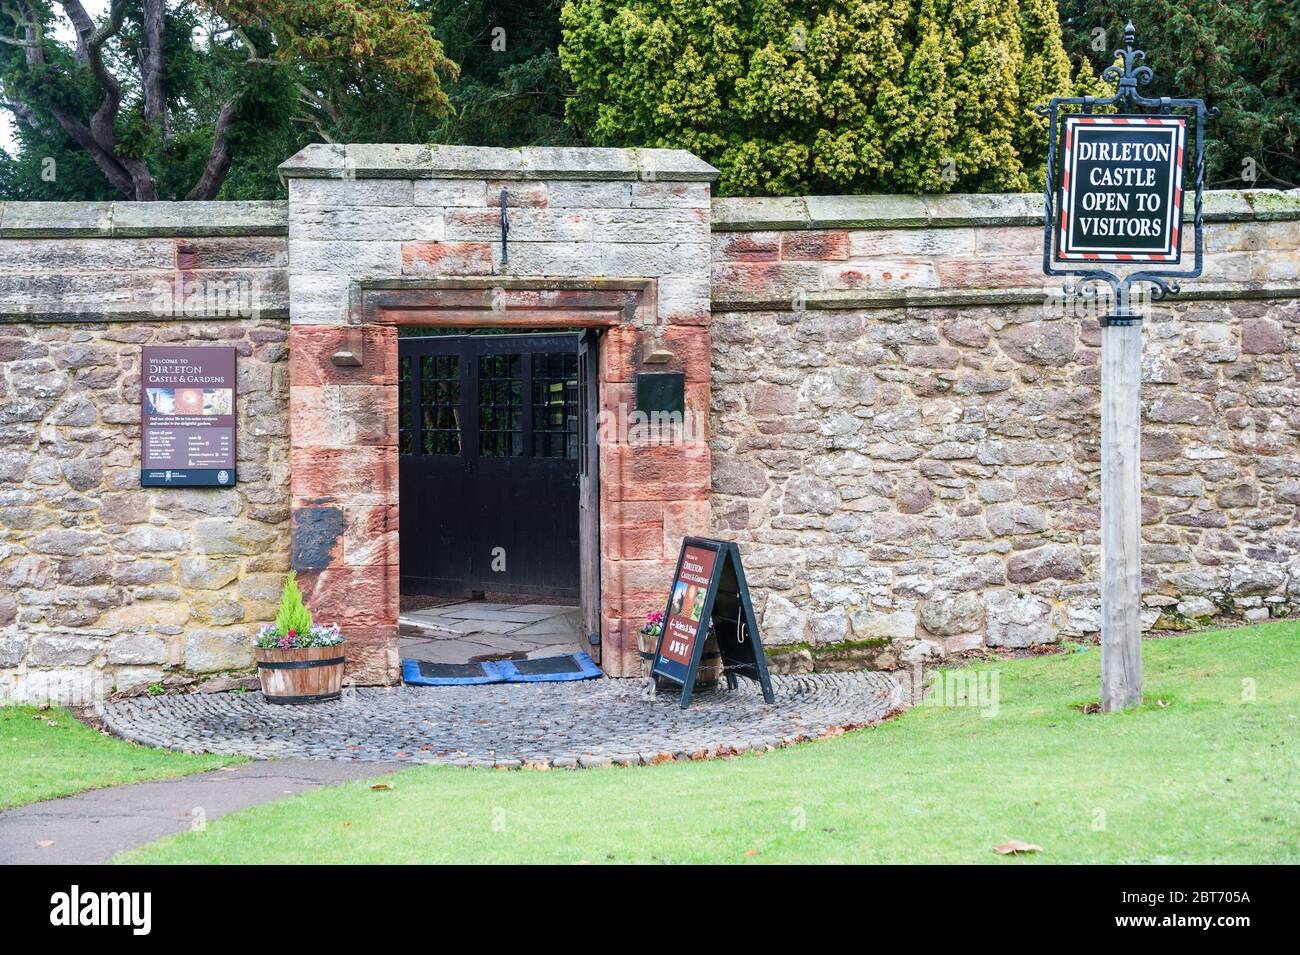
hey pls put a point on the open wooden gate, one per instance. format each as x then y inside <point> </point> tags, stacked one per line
<point>497,444</point>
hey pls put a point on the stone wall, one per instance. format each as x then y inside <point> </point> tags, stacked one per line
<point>905,424</point>
<point>104,585</point>
<point>903,431</point>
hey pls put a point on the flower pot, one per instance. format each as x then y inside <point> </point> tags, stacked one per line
<point>307,675</point>
<point>646,643</point>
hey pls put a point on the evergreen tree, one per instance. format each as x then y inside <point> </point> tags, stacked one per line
<point>1241,56</point>
<point>823,95</point>
<point>293,614</point>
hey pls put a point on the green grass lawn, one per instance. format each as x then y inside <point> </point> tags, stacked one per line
<point>48,753</point>
<point>1207,774</point>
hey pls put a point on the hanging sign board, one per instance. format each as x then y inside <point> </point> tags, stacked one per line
<point>187,402</point>
<point>709,587</point>
<point>1121,189</point>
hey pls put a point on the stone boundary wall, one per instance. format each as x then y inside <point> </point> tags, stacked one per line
<point>104,585</point>
<point>903,433</point>
<point>905,423</point>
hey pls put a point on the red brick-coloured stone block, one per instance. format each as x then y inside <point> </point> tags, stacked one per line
<point>748,246</point>
<point>311,346</point>
<point>766,281</point>
<point>684,519</point>
<point>632,530</point>
<point>968,272</point>
<point>619,656</point>
<point>518,194</point>
<point>351,596</point>
<point>880,274</point>
<point>354,476</point>
<point>371,411</point>
<point>825,245</point>
<point>314,418</point>
<point>766,400</point>
<point>446,258</point>
<point>370,536</point>
<point>690,346</point>
<point>1260,336</point>
<point>631,588</point>
<point>373,656</point>
<point>619,354</point>
<point>670,472</point>
<point>617,402</point>
<point>624,352</point>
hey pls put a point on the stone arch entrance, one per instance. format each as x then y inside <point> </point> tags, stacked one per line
<point>345,479</point>
<point>382,236</point>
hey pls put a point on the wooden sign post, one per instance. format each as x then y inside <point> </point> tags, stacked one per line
<point>709,588</point>
<point>1119,177</point>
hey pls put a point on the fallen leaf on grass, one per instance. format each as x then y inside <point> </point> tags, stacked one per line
<point>1016,847</point>
<point>381,786</point>
<point>751,852</point>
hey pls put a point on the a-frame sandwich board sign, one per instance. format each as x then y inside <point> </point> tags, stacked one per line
<point>709,586</point>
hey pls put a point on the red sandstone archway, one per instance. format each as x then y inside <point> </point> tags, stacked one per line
<point>343,421</point>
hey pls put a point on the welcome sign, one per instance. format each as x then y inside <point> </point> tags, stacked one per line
<point>187,410</point>
<point>709,591</point>
<point>1121,189</point>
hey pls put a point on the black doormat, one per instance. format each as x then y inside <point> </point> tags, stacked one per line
<point>423,673</point>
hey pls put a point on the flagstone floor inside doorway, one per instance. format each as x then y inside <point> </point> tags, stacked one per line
<point>473,631</point>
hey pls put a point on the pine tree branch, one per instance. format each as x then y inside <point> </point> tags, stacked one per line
<point>218,164</point>
<point>90,42</point>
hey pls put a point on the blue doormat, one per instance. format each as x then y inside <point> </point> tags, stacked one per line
<point>572,666</point>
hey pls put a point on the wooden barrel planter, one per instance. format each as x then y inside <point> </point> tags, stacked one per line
<point>307,675</point>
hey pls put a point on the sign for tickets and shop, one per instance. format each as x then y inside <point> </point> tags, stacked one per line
<point>709,590</point>
<point>187,402</point>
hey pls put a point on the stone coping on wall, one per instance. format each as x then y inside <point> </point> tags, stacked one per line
<point>782,213</point>
<point>409,161</point>
<point>955,298</point>
<point>122,220</point>
<point>24,220</point>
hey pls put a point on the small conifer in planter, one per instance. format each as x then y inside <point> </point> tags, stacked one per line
<point>298,660</point>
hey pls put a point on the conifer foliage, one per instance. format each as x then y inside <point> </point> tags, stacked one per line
<point>794,96</point>
<point>294,615</point>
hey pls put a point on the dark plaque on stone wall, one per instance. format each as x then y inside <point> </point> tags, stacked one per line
<point>187,402</point>
<point>709,589</point>
<point>1121,189</point>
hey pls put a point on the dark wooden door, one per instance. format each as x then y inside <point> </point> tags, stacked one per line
<point>489,464</point>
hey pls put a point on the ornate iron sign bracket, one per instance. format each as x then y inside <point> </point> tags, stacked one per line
<point>1126,99</point>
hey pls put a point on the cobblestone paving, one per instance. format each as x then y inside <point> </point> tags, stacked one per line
<point>563,725</point>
